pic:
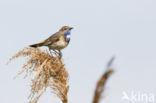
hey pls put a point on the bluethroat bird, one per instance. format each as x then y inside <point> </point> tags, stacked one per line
<point>57,41</point>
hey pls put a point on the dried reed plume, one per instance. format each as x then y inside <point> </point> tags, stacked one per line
<point>102,81</point>
<point>46,71</point>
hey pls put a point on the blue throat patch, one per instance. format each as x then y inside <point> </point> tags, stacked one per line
<point>67,35</point>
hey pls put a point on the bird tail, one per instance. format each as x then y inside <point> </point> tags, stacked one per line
<point>37,44</point>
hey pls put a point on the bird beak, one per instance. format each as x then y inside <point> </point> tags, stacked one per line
<point>71,28</point>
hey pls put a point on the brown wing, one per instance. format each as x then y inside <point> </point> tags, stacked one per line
<point>54,38</point>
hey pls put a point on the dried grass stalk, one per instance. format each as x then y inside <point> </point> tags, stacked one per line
<point>46,70</point>
<point>102,81</point>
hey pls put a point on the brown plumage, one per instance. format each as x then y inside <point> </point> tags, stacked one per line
<point>53,38</point>
<point>55,41</point>
<point>37,44</point>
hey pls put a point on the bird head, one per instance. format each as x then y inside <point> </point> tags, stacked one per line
<point>65,28</point>
<point>66,31</point>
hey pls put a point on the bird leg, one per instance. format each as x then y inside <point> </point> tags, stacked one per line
<point>50,52</point>
<point>60,53</point>
<point>56,52</point>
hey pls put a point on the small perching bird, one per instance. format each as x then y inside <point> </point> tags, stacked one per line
<point>57,41</point>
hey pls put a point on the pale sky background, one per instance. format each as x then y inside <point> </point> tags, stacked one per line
<point>102,28</point>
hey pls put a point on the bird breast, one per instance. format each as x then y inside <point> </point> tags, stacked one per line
<point>60,44</point>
